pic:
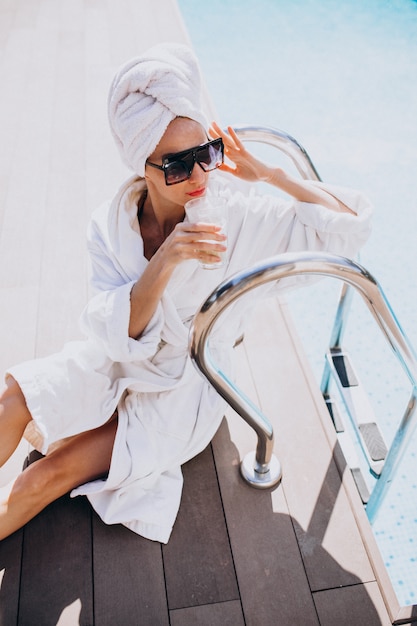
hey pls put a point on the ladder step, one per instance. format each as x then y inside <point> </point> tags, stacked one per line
<point>344,370</point>
<point>374,441</point>
<point>359,409</point>
<point>335,415</point>
<point>360,484</point>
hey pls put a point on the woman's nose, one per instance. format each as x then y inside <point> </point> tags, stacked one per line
<point>198,175</point>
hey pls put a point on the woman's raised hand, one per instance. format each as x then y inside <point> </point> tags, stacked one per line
<point>246,166</point>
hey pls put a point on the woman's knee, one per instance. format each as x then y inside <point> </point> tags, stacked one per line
<point>47,479</point>
<point>14,417</point>
<point>13,403</point>
<point>78,460</point>
<point>82,458</point>
<point>31,492</point>
<point>37,483</point>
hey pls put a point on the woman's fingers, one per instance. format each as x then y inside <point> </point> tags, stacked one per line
<point>206,242</point>
<point>246,166</point>
<point>216,131</point>
<point>195,241</point>
<point>230,139</point>
<point>199,230</point>
<point>224,167</point>
<point>235,138</point>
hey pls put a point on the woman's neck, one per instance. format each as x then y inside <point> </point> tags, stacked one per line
<point>156,221</point>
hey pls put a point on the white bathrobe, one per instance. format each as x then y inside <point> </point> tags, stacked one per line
<point>167,412</point>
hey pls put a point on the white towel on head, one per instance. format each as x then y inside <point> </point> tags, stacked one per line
<point>147,93</point>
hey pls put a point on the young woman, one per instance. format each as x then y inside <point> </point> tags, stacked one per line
<point>118,413</point>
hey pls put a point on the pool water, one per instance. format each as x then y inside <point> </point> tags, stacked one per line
<point>342,79</point>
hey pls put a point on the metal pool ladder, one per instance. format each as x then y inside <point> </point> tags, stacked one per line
<point>261,468</point>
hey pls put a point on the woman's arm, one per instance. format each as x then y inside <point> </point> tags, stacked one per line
<point>185,242</point>
<point>122,308</point>
<point>249,168</point>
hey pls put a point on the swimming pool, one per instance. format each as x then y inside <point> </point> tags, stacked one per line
<point>342,79</point>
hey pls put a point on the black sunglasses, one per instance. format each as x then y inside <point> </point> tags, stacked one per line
<point>179,166</point>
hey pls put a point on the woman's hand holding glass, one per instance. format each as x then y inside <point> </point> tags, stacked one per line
<point>186,241</point>
<point>201,241</point>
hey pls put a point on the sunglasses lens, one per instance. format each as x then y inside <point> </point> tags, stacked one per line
<point>176,172</point>
<point>210,156</point>
<point>178,168</point>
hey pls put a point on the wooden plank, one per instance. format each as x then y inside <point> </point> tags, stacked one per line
<point>128,578</point>
<point>57,564</point>
<point>61,104</point>
<point>360,605</point>
<point>104,170</point>
<point>9,53</point>
<point>164,15</point>
<point>329,539</point>
<point>26,14</point>
<point>64,256</point>
<point>224,613</point>
<point>129,38</point>
<point>27,150</point>
<point>10,564</point>
<point>8,16</point>
<point>198,561</point>
<point>18,326</point>
<point>28,69</point>
<point>258,533</point>
<point>271,577</point>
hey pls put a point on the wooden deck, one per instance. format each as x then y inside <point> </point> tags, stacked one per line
<point>237,555</point>
<point>298,555</point>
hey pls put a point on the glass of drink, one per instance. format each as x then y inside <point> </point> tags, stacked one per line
<point>209,210</point>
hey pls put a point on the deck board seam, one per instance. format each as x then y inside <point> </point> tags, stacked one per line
<point>93,590</point>
<point>357,584</point>
<point>227,531</point>
<point>165,584</point>
<point>22,546</point>
<point>19,595</point>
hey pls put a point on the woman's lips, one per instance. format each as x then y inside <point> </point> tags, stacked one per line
<point>197,192</point>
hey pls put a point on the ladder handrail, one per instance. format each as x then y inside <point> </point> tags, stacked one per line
<point>290,265</point>
<point>338,329</point>
<point>285,143</point>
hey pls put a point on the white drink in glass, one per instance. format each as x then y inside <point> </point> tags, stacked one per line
<point>209,210</point>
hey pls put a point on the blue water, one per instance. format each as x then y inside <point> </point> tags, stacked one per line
<point>341,77</point>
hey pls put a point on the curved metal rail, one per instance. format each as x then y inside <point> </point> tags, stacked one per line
<point>273,269</point>
<point>261,468</point>
<point>285,143</point>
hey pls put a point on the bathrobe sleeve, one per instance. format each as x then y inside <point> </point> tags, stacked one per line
<point>264,226</point>
<point>338,232</point>
<point>115,267</point>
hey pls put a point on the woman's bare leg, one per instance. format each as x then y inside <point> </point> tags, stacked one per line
<point>14,417</point>
<point>82,458</point>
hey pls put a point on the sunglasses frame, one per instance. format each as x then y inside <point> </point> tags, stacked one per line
<point>176,157</point>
